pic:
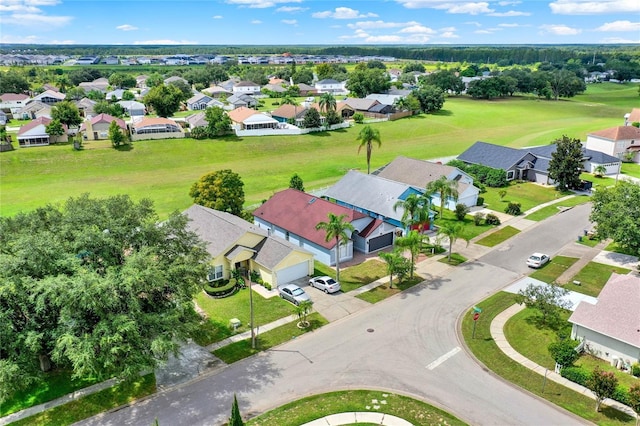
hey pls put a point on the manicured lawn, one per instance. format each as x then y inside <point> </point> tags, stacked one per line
<point>469,228</point>
<point>242,349</point>
<point>593,277</point>
<point>93,404</point>
<point>317,406</point>
<point>455,259</point>
<point>552,270</point>
<point>588,242</point>
<point>616,248</point>
<point>487,352</point>
<point>556,208</point>
<point>164,170</point>
<point>382,292</point>
<point>528,194</point>
<point>630,169</point>
<point>358,275</point>
<point>589,362</point>
<point>237,306</point>
<point>498,236</point>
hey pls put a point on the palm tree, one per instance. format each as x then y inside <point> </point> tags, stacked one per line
<point>452,231</point>
<point>288,100</point>
<point>336,227</point>
<point>412,242</point>
<point>327,102</point>
<point>599,170</point>
<point>393,261</point>
<point>416,209</point>
<point>367,136</point>
<point>445,188</point>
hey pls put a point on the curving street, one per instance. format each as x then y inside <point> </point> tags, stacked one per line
<point>407,344</point>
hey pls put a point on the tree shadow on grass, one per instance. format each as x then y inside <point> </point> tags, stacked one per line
<point>124,147</point>
<point>612,413</point>
<point>443,112</point>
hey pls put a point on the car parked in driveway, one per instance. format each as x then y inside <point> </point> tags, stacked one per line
<point>293,294</point>
<point>325,283</point>
<point>537,260</point>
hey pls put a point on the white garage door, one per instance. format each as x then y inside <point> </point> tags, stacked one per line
<point>292,273</point>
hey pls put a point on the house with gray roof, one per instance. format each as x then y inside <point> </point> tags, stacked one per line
<point>198,101</point>
<point>234,243</point>
<point>609,328</point>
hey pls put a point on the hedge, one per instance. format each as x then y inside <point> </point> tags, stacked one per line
<point>580,376</point>
<point>223,291</point>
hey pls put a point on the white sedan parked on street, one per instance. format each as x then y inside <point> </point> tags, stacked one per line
<point>537,260</point>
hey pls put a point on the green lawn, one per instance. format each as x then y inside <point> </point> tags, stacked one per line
<point>455,259</point>
<point>593,277</point>
<point>528,194</point>
<point>364,273</point>
<point>164,170</point>
<point>220,311</point>
<point>589,362</point>
<point>630,169</point>
<point>484,348</point>
<point>615,247</point>
<point>242,349</point>
<point>498,236</point>
<point>90,405</point>
<point>314,407</point>
<point>556,208</point>
<point>382,292</point>
<point>469,228</point>
<point>550,272</point>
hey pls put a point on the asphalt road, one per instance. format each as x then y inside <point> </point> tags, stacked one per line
<point>407,344</point>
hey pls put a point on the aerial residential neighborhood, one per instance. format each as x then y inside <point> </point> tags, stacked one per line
<point>199,234</point>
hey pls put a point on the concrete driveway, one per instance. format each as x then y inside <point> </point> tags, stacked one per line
<point>332,306</point>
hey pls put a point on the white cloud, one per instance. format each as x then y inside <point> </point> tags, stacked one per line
<point>510,13</point>
<point>34,19</point>
<point>18,7</point>
<point>126,27</point>
<point>384,39</point>
<point>291,9</point>
<point>621,26</point>
<point>381,24</point>
<point>417,29</point>
<point>289,21</point>
<point>256,22</point>
<point>617,40</point>
<point>217,17</point>
<point>471,8</point>
<point>343,13</point>
<point>508,3</point>
<point>589,7</point>
<point>449,34</point>
<point>511,25</point>
<point>475,23</point>
<point>260,4</point>
<point>561,30</point>
<point>483,32</point>
<point>165,41</point>
<point>42,2</point>
<point>11,39</point>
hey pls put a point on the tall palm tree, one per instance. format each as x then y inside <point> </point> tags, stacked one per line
<point>445,188</point>
<point>367,136</point>
<point>416,209</point>
<point>393,261</point>
<point>452,231</point>
<point>287,99</point>
<point>336,227</point>
<point>412,242</point>
<point>327,102</point>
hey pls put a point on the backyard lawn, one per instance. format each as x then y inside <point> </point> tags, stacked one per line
<point>593,277</point>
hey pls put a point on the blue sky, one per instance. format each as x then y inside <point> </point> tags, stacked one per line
<point>287,22</point>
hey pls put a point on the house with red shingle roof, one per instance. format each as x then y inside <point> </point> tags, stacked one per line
<point>610,328</point>
<point>293,215</point>
<point>632,117</point>
<point>97,128</point>
<point>621,142</point>
<point>35,133</point>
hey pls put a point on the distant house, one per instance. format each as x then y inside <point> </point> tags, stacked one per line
<point>111,60</point>
<point>217,92</point>
<point>293,215</point>
<point>175,79</point>
<point>35,133</point>
<point>97,128</point>
<point>133,108</point>
<point>100,84</point>
<point>360,105</point>
<point>609,328</point>
<point>286,113</point>
<point>34,109</point>
<point>632,117</point>
<point>50,97</point>
<point>115,94</point>
<point>85,106</point>
<point>419,173</point>
<point>88,60</point>
<point>13,102</point>
<point>276,88</point>
<point>235,244</point>
<point>155,128</point>
<point>246,88</point>
<point>242,101</point>
<point>196,120</point>
<point>618,142</point>
<point>329,85</point>
<point>306,90</point>
<point>198,102</point>
<point>3,118</point>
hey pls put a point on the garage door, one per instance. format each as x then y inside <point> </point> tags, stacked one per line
<point>292,273</point>
<point>380,242</point>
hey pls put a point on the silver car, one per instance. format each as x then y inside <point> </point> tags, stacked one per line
<point>293,294</point>
<point>325,283</point>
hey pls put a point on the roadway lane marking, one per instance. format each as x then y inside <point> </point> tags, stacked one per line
<point>443,358</point>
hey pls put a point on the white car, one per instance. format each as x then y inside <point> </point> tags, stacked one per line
<point>537,260</point>
<point>325,283</point>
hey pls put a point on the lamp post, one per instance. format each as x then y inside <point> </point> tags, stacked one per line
<point>253,334</point>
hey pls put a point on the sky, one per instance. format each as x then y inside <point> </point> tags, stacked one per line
<point>298,22</point>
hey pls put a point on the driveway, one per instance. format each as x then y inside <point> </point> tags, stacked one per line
<point>332,306</point>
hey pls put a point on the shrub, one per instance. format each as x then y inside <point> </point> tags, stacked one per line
<point>496,178</point>
<point>224,291</point>
<point>576,374</point>
<point>492,219</point>
<point>513,209</point>
<point>563,352</point>
<point>480,201</point>
<point>358,117</point>
<point>635,369</point>
<point>621,394</point>
<point>461,211</point>
<point>478,218</point>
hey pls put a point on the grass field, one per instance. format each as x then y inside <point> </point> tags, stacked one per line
<point>550,272</point>
<point>164,170</point>
<point>556,208</point>
<point>593,277</point>
<point>498,236</point>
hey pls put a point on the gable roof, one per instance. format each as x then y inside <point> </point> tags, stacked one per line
<point>196,120</point>
<point>495,156</point>
<point>50,94</point>
<point>369,192</point>
<point>238,115</point>
<point>361,104</point>
<point>289,111</point>
<point>154,121</point>
<point>246,83</point>
<point>105,118</point>
<point>327,81</point>
<point>273,250</point>
<point>417,173</point>
<point>615,314</point>
<point>40,121</point>
<point>7,97</point>
<point>618,133</point>
<point>197,97</point>
<point>299,212</point>
<point>634,116</point>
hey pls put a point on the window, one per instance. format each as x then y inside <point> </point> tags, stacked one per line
<point>214,273</point>
<point>510,174</point>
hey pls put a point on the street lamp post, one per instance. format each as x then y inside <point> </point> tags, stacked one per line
<point>253,333</point>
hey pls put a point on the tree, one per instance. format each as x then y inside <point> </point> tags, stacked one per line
<point>603,385</point>
<point>452,231</point>
<point>75,93</point>
<point>565,165</point>
<point>67,112</point>
<point>461,211</point>
<point>154,80</point>
<point>413,242</point>
<point>95,95</point>
<point>397,265</point>
<point>431,98</point>
<point>303,75</point>
<point>116,135</point>
<point>363,82</point>
<point>236,418</point>
<point>446,80</point>
<point>128,95</point>
<point>547,299</point>
<point>96,286</point>
<point>327,102</point>
<point>615,211</point>
<point>122,80</point>
<point>13,82</point>
<point>54,129</point>
<point>413,66</point>
<point>634,400</point>
<point>311,119</point>
<point>599,170</point>
<point>115,110</point>
<point>445,189</point>
<point>366,137</point>
<point>219,190</point>
<point>185,89</point>
<point>415,210</point>
<point>164,99</point>
<point>563,352</point>
<point>218,121</point>
<point>296,182</point>
<point>303,310</point>
<point>340,230</point>
<point>565,84</point>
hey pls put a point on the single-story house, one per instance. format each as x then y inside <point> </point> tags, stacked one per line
<point>384,98</point>
<point>198,102</point>
<point>13,102</point>
<point>249,119</point>
<point>287,112</point>
<point>616,141</point>
<point>632,117</point>
<point>97,128</point>
<point>293,215</point>
<point>610,327</point>
<point>217,92</point>
<point>246,88</point>
<point>590,160</point>
<point>115,94</point>
<point>174,79</point>
<point>155,128</point>
<point>234,243</point>
<point>141,81</point>
<point>242,100</point>
<point>382,109</point>
<point>133,108</point>
<point>306,89</point>
<point>35,133</point>
<point>85,106</point>
<point>275,87</point>
<point>33,110</point>
<point>376,197</point>
<point>419,173</point>
<point>197,120</point>
<point>101,84</point>
<point>50,97</point>
<point>360,105</point>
